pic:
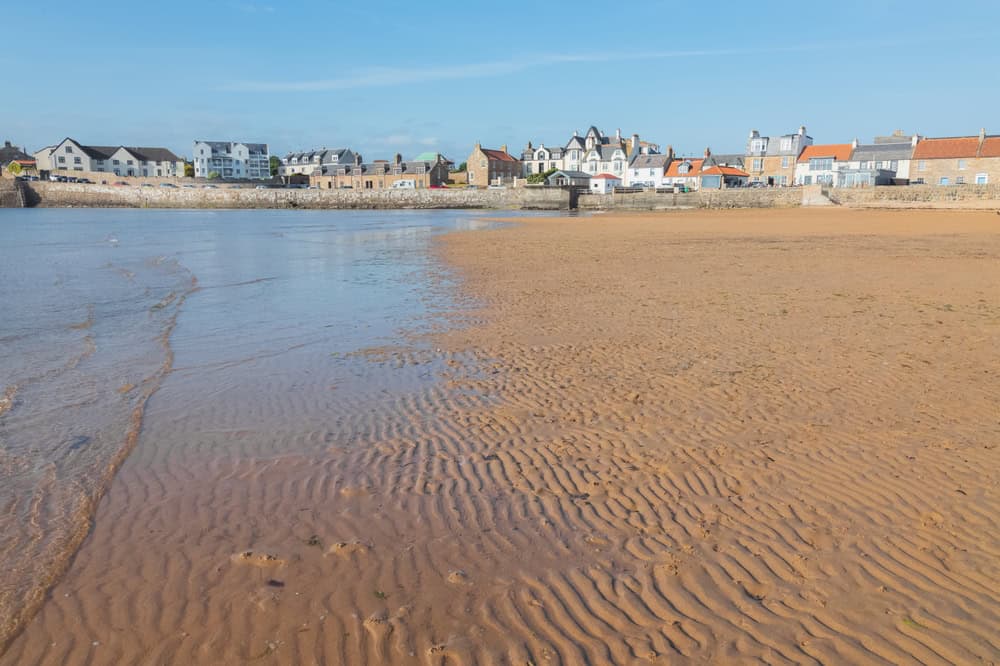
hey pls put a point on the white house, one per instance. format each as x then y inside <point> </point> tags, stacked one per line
<point>232,160</point>
<point>604,183</point>
<point>648,170</point>
<point>70,155</point>
<point>822,164</point>
<point>541,159</point>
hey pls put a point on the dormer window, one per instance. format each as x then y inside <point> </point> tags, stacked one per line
<point>684,168</point>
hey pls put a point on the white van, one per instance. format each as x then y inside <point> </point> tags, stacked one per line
<point>404,185</point>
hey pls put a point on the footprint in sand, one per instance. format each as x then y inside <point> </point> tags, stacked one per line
<point>348,548</point>
<point>459,577</point>
<point>257,558</point>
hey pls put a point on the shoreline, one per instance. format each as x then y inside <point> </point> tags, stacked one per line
<point>596,478</point>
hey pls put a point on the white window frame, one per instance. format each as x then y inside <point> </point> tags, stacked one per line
<point>984,177</point>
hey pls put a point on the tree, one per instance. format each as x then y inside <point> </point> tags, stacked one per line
<point>212,175</point>
<point>540,178</point>
<point>275,163</point>
<point>188,170</point>
<point>464,166</point>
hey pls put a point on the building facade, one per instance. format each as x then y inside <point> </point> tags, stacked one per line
<point>869,160</point>
<point>822,164</point>
<point>232,160</point>
<point>771,161</point>
<point>964,160</point>
<point>540,159</point>
<point>487,166</point>
<point>72,156</point>
<point>314,162</point>
<point>384,174</point>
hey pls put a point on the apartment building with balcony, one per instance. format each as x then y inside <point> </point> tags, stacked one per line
<point>232,160</point>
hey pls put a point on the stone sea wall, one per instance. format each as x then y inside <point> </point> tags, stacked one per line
<point>526,198</point>
<point>107,196</point>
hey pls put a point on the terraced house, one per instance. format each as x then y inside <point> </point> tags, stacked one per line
<point>771,161</point>
<point>314,162</point>
<point>960,160</point>
<point>72,156</point>
<point>384,174</point>
<point>232,160</point>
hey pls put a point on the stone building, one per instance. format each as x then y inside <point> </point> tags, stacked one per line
<point>232,160</point>
<point>384,174</point>
<point>73,157</point>
<point>771,161</point>
<point>963,160</point>
<point>492,167</point>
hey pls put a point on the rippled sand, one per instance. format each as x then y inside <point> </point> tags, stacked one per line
<point>684,438</point>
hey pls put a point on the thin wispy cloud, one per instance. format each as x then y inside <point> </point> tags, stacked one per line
<point>376,77</point>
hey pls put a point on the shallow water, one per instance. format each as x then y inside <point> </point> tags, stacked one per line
<point>98,306</point>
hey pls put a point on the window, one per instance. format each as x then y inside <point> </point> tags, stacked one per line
<point>960,180</point>
<point>758,145</point>
<point>62,160</point>
<point>69,149</point>
<point>784,162</point>
<point>784,181</point>
<point>128,162</point>
<point>116,163</point>
<point>786,143</point>
<point>807,180</point>
<point>982,179</point>
<point>758,164</point>
<point>821,164</point>
<point>531,168</point>
<point>921,165</point>
<point>76,160</point>
<point>943,181</point>
<point>894,165</point>
<point>963,165</point>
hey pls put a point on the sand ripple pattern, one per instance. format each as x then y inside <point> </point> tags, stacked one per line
<point>654,445</point>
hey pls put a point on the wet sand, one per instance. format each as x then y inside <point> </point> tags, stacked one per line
<point>706,437</point>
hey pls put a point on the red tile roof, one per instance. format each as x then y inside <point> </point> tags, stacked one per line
<point>936,149</point>
<point>605,176</point>
<point>840,152</point>
<point>498,155</point>
<point>725,171</point>
<point>695,167</point>
<point>991,147</point>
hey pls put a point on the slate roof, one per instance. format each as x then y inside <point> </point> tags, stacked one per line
<point>840,152</point>
<point>733,160</point>
<point>882,152</point>
<point>649,161</point>
<point>577,143</point>
<point>142,153</point>
<point>226,146</point>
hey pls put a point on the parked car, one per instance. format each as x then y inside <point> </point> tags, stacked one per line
<point>146,185</point>
<point>86,181</point>
<point>167,185</point>
<point>191,186</point>
<point>208,187</point>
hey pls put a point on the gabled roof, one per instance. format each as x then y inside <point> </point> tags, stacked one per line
<point>840,152</point>
<point>650,161</point>
<point>725,171</point>
<point>944,148</point>
<point>571,174</point>
<point>576,142</point>
<point>605,176</point>
<point>880,152</point>
<point>695,167</point>
<point>498,155</point>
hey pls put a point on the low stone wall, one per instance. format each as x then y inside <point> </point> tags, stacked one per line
<point>49,194</point>
<point>732,198</point>
<point>11,194</point>
<point>919,196</point>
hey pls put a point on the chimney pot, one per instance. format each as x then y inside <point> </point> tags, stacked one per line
<point>503,148</point>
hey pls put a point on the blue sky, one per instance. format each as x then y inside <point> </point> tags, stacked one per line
<point>416,76</point>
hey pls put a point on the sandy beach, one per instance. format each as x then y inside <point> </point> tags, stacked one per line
<point>696,437</point>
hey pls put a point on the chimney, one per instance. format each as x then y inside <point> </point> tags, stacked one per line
<point>670,152</point>
<point>854,144</point>
<point>982,135</point>
<point>636,149</point>
<point>618,134</point>
<point>478,146</point>
<point>708,153</point>
<point>914,140</point>
<point>802,130</point>
<point>399,159</point>
<point>754,134</point>
<point>575,133</point>
<point>357,159</point>
<point>503,148</point>
<point>6,144</point>
<point>529,146</point>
